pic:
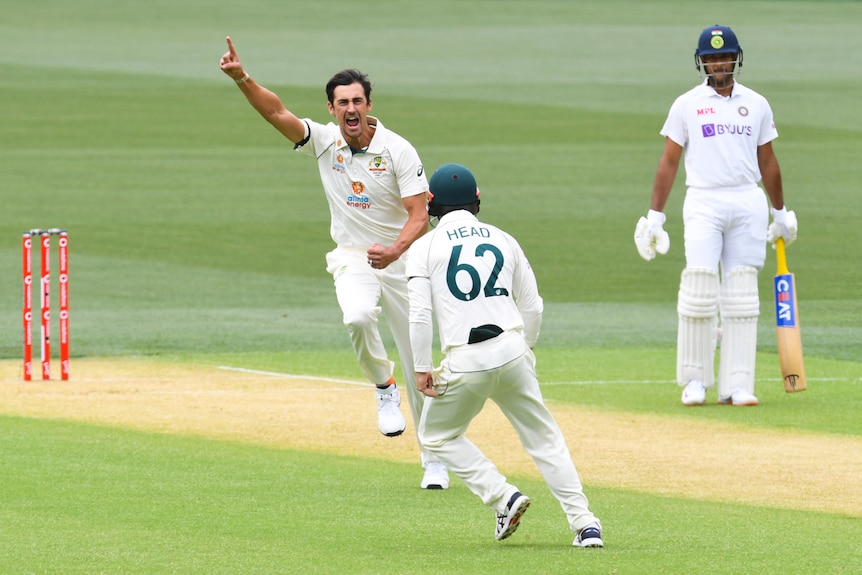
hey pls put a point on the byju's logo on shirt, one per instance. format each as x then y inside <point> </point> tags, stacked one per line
<point>712,130</point>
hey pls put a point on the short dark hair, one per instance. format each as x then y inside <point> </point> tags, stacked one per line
<point>346,78</point>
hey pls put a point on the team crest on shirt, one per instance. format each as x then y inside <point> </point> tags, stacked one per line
<point>338,165</point>
<point>358,199</point>
<point>377,166</point>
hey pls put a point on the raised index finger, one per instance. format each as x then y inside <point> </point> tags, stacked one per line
<point>230,47</point>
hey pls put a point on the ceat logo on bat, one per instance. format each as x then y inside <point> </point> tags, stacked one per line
<point>785,310</point>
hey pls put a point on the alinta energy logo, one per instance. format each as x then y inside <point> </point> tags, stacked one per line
<point>358,199</point>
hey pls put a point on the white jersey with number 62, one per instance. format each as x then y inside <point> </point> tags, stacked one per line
<point>478,275</point>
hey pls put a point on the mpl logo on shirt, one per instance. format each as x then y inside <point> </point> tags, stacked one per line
<point>712,130</point>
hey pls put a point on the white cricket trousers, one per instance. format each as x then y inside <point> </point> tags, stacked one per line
<point>514,387</point>
<point>363,292</point>
<point>725,226</point>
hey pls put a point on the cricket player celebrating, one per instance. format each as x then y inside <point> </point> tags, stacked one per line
<point>375,186</point>
<point>726,131</point>
<point>475,279</point>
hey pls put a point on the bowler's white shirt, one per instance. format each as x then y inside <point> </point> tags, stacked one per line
<point>720,135</point>
<point>365,189</point>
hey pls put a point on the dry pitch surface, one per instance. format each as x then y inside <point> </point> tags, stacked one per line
<point>654,454</point>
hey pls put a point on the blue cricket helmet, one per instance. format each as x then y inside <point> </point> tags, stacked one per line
<point>717,40</point>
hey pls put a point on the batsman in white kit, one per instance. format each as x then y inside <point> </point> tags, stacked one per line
<point>726,131</point>
<point>476,281</point>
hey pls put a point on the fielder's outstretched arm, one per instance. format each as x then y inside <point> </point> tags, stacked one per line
<point>264,101</point>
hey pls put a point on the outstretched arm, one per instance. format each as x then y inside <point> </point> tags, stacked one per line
<point>264,101</point>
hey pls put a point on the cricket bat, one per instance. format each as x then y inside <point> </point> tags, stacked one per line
<point>787,329</point>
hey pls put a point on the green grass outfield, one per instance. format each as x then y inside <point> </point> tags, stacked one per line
<point>197,236</point>
<point>168,504</point>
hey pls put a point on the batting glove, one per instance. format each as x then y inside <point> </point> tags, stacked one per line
<point>783,226</point>
<point>650,236</point>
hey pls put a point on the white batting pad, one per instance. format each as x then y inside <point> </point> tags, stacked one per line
<point>697,307</point>
<point>740,308</point>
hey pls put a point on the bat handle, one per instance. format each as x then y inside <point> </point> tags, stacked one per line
<point>781,256</point>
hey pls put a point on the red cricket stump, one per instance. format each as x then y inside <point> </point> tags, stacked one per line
<point>46,305</point>
<point>63,245</point>
<point>45,300</point>
<point>27,315</point>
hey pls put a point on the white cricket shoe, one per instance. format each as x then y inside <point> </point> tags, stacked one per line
<point>694,393</point>
<point>390,420</point>
<point>739,397</point>
<point>508,522</point>
<point>589,536</point>
<point>436,476</point>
